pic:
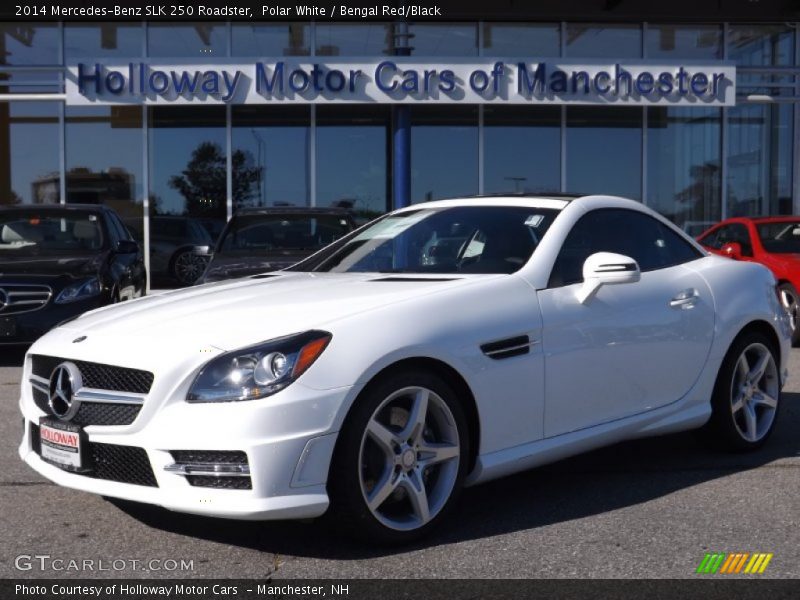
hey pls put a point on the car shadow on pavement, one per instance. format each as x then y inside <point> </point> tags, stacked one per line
<point>612,478</point>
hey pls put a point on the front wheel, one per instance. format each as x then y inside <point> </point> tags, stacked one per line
<point>746,394</point>
<point>401,458</point>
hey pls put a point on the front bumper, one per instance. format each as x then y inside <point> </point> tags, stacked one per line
<point>288,440</point>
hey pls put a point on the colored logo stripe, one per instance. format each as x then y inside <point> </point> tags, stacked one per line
<point>721,562</point>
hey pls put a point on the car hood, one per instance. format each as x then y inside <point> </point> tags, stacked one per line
<point>230,267</point>
<point>50,265</point>
<point>229,315</point>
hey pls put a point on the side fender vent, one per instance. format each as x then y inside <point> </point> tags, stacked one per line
<point>507,348</point>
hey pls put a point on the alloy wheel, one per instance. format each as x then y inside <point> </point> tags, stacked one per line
<point>789,302</point>
<point>409,458</point>
<point>755,388</point>
<point>188,267</point>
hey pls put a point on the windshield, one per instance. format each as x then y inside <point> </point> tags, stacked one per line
<point>32,233</point>
<point>780,238</point>
<point>465,239</point>
<point>249,234</point>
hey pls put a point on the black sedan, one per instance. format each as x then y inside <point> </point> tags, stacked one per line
<point>257,240</point>
<point>59,261</point>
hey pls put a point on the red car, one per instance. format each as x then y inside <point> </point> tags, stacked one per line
<point>772,241</point>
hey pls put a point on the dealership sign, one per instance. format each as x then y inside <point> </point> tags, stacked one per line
<point>399,80</point>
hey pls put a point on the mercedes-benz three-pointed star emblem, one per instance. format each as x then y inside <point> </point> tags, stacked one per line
<point>64,382</point>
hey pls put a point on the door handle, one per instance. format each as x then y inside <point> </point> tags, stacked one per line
<point>685,299</point>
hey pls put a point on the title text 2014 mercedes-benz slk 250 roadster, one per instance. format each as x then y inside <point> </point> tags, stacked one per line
<point>442,345</point>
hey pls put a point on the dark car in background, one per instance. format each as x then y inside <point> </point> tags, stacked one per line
<point>257,240</point>
<point>179,249</point>
<point>59,261</point>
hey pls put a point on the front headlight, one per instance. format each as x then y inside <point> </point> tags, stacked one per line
<point>258,371</point>
<point>79,291</point>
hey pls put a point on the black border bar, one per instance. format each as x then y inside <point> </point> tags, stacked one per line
<point>413,10</point>
<point>707,587</point>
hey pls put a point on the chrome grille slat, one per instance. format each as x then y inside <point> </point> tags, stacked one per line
<point>110,395</point>
<point>98,376</point>
<point>34,297</point>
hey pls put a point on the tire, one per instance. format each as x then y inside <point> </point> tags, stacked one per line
<point>746,395</point>
<point>186,266</point>
<point>386,455</point>
<point>791,304</point>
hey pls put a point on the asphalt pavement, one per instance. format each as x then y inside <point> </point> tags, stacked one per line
<point>647,508</point>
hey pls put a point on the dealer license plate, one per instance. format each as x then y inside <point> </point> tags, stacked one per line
<point>61,444</point>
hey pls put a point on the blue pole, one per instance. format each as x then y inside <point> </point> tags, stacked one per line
<point>401,175</point>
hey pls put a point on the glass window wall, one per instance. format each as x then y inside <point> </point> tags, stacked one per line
<point>110,169</point>
<point>522,149</point>
<point>29,163</point>
<point>348,39</point>
<point>521,40</point>
<point>103,40</point>
<point>695,42</point>
<point>444,39</point>
<point>585,40</point>
<point>760,136</point>
<point>30,44</point>
<point>352,158</point>
<point>604,150</point>
<point>284,39</point>
<point>444,152</point>
<point>684,160</point>
<point>270,156</point>
<point>190,40</point>
<point>188,190</point>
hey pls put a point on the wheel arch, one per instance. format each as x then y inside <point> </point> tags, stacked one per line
<point>452,377</point>
<point>763,327</point>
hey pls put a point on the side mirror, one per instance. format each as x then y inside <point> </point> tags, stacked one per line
<point>606,268</point>
<point>127,247</point>
<point>732,250</point>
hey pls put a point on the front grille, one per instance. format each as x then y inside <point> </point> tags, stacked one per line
<point>98,413</point>
<point>224,483</point>
<point>16,298</point>
<point>93,413</point>
<point>41,400</point>
<point>123,464</point>
<point>97,375</point>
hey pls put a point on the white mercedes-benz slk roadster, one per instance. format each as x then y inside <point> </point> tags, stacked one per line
<point>442,345</point>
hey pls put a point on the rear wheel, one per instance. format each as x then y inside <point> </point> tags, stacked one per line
<point>746,395</point>
<point>401,458</point>
<point>789,300</point>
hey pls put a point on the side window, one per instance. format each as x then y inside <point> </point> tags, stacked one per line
<point>650,243</point>
<point>739,234</point>
<point>113,232</point>
<point>119,229</point>
<point>716,238</point>
<point>735,232</point>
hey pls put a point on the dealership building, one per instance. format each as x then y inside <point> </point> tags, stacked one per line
<point>176,125</point>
